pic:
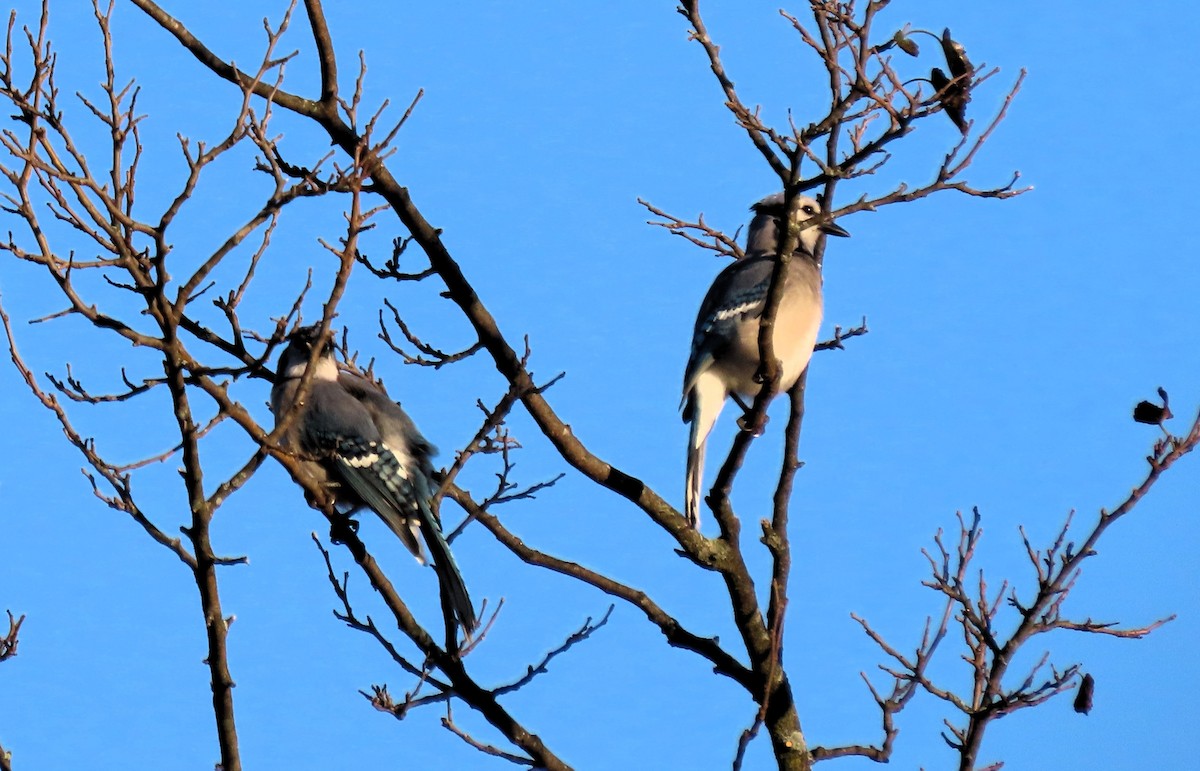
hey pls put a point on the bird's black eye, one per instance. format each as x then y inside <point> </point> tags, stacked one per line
<point>808,209</point>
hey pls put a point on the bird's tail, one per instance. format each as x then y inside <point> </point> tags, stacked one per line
<point>695,474</point>
<point>449,577</point>
<point>703,403</point>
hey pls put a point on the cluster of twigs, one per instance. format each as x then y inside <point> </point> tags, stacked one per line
<point>8,643</point>
<point>991,639</point>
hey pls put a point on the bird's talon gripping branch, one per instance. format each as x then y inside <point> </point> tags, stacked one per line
<point>744,424</point>
<point>342,527</point>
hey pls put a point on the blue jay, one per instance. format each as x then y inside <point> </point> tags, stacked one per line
<point>365,451</point>
<point>725,357</point>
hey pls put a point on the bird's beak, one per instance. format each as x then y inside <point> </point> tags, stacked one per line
<point>834,229</point>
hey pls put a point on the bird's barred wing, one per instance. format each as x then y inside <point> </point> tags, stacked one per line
<point>372,471</point>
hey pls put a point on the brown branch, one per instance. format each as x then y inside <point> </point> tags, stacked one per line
<point>676,635</point>
<point>1107,628</point>
<point>8,649</point>
<point>716,241</point>
<point>200,434</point>
<point>347,616</point>
<point>904,686</point>
<point>774,670</point>
<point>433,357</point>
<point>586,630</point>
<point>122,498</point>
<point>175,364</point>
<point>219,67</point>
<point>486,749</point>
<point>391,267</point>
<point>8,643</point>
<point>383,701</point>
<point>451,665</point>
<point>507,491</point>
<point>690,9</point>
<point>480,443</point>
<point>840,335</point>
<point>75,391</point>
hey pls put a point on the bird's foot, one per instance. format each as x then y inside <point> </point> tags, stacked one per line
<point>744,424</point>
<point>744,421</point>
<point>342,528</point>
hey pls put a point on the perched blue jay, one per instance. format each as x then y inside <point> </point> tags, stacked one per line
<point>725,356</point>
<point>365,451</point>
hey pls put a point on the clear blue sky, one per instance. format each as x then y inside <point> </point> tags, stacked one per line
<point>1009,341</point>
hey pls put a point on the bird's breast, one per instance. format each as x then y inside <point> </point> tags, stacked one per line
<point>796,325</point>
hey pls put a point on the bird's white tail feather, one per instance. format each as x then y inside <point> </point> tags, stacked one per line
<point>707,398</point>
<point>695,475</point>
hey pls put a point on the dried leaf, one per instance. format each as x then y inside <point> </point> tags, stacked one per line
<point>905,43</point>
<point>1148,413</point>
<point>956,57</point>
<point>953,96</point>
<point>1152,414</point>
<point>1083,699</point>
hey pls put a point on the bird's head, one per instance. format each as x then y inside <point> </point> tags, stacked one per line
<point>301,343</point>
<point>767,226</point>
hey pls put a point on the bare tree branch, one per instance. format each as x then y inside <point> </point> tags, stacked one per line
<point>989,652</point>
<point>8,643</point>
